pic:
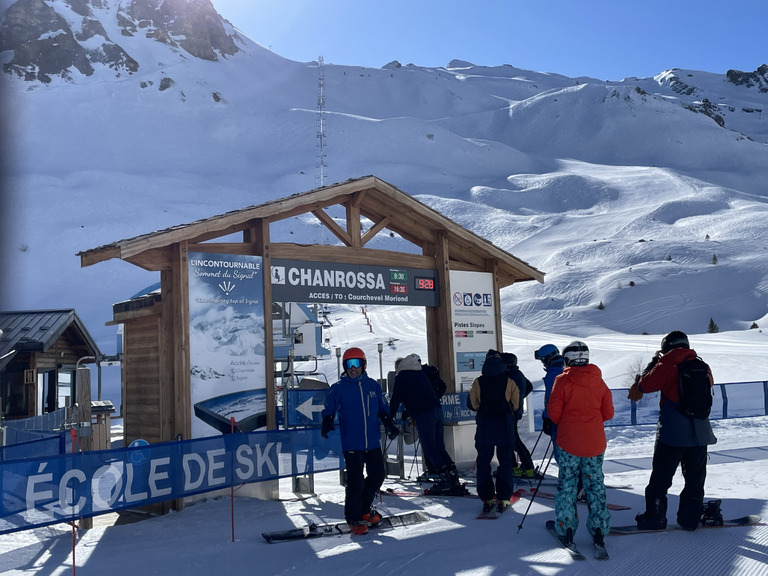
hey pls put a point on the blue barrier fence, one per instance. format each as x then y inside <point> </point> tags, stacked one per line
<point>63,488</point>
<point>36,436</point>
<point>42,491</point>
<point>731,400</point>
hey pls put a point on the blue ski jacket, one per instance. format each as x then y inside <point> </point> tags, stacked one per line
<point>359,402</point>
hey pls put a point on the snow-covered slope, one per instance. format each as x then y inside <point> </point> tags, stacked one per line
<point>624,193</point>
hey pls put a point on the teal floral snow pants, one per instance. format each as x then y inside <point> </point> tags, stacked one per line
<point>566,514</point>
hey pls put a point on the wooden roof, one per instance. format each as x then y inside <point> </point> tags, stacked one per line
<point>38,330</point>
<point>383,204</point>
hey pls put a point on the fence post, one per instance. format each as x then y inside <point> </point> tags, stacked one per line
<point>725,401</point>
<point>765,395</point>
<point>632,412</point>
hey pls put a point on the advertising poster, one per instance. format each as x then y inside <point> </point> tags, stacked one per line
<point>226,343</point>
<point>473,320</point>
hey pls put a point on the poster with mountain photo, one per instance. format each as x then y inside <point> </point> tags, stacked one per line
<point>226,341</point>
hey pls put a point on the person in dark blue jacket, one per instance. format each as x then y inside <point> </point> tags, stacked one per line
<point>360,403</point>
<point>553,366</point>
<point>495,398</point>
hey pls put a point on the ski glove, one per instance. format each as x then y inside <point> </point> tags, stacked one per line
<point>327,426</point>
<point>389,426</point>
<point>546,426</point>
<point>634,392</point>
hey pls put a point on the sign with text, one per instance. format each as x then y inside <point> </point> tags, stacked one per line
<point>64,488</point>
<point>473,319</point>
<point>328,283</point>
<point>226,342</point>
<point>455,407</point>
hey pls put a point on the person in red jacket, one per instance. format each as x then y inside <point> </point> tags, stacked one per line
<point>680,440</point>
<point>579,404</point>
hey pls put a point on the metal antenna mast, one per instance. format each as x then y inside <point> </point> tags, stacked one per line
<point>320,165</point>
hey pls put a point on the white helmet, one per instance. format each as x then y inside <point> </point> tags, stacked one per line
<point>576,354</point>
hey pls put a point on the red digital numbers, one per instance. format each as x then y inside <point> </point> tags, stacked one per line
<point>425,284</point>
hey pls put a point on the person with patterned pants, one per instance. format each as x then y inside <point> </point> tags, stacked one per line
<point>579,405</point>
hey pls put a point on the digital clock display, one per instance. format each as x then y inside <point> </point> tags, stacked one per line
<point>424,283</point>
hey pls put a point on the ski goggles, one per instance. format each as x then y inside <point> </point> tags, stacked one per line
<point>353,363</point>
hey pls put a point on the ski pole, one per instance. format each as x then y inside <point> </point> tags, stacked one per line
<point>520,527</point>
<point>536,469</point>
<point>545,453</point>
<point>415,455</point>
<point>537,442</point>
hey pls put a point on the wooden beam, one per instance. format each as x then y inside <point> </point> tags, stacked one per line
<point>166,343</point>
<point>378,227</point>
<point>155,260</point>
<point>443,337</point>
<point>181,360</point>
<point>330,223</point>
<point>245,249</point>
<point>493,267</point>
<point>269,365</point>
<point>353,221</point>
<point>89,258</point>
<point>349,255</point>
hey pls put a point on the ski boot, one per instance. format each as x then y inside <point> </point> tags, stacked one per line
<point>599,545</point>
<point>712,515</point>
<point>655,515</point>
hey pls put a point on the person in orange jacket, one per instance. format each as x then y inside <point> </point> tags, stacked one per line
<point>579,405</point>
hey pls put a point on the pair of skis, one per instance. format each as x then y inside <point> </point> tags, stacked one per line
<point>602,554</point>
<point>338,528</point>
<point>499,508</point>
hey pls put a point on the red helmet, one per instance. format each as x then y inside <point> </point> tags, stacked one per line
<point>353,353</point>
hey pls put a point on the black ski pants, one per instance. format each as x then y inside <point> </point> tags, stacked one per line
<point>432,436</point>
<point>693,462</point>
<point>361,489</point>
<point>526,461</point>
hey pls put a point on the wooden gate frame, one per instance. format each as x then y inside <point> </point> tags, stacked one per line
<point>444,244</point>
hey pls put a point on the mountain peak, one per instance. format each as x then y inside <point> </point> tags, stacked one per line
<point>54,39</point>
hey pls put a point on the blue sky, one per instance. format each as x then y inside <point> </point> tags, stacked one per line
<point>605,39</point>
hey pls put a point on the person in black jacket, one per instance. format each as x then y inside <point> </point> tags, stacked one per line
<point>526,467</point>
<point>439,386</point>
<point>414,390</point>
<point>495,398</point>
<point>680,440</point>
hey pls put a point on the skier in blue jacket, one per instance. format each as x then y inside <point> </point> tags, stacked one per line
<point>360,403</point>
<point>553,366</point>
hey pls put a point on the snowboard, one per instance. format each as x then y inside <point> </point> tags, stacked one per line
<point>494,513</point>
<point>337,529</point>
<point>749,520</point>
<point>571,548</point>
<point>551,496</point>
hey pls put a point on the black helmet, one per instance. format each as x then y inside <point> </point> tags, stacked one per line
<point>509,358</point>
<point>675,339</point>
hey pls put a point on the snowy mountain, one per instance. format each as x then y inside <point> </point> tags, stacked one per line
<point>644,201</point>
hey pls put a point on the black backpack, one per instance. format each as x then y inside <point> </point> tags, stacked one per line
<point>438,384</point>
<point>695,389</point>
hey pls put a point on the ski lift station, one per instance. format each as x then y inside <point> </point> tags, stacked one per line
<point>212,350</point>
